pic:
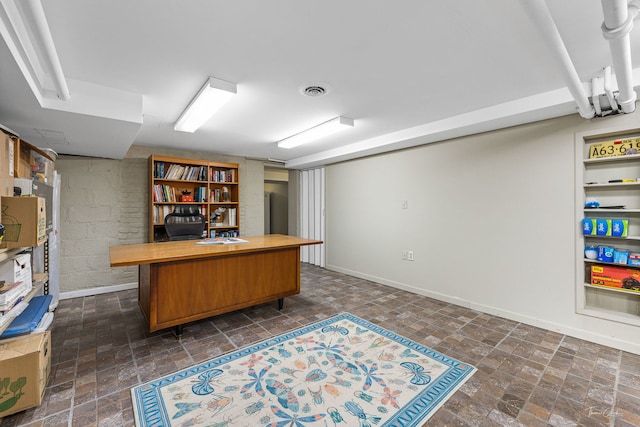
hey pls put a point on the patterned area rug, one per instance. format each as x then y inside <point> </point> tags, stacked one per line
<point>343,371</point>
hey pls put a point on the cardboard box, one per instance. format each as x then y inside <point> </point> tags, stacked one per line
<point>29,187</point>
<point>16,269</point>
<point>25,364</point>
<point>616,277</point>
<point>6,165</point>
<point>25,222</point>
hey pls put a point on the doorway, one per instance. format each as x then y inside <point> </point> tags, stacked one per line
<point>276,201</point>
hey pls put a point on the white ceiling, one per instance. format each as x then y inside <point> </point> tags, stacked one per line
<point>402,70</point>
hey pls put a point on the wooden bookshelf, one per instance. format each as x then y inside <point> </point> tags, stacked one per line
<point>213,186</point>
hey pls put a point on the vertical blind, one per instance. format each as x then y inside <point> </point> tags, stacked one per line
<point>312,214</point>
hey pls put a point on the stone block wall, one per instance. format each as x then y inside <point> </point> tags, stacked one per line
<point>104,202</point>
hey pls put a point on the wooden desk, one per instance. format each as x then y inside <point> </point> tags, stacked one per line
<point>180,281</point>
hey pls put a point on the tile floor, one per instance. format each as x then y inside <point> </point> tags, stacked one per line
<point>526,376</point>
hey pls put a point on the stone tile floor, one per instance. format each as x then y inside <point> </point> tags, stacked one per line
<point>526,376</point>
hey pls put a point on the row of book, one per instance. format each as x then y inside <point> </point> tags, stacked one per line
<point>231,217</point>
<point>161,211</point>
<point>168,194</point>
<point>228,175</point>
<point>219,195</point>
<point>224,217</point>
<point>180,172</point>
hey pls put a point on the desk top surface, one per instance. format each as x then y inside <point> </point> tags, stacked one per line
<point>149,253</point>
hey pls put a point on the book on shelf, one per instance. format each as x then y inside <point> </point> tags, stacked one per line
<point>160,212</point>
<point>180,172</point>
<point>216,195</point>
<point>200,194</point>
<point>158,170</point>
<point>228,175</point>
<point>231,217</point>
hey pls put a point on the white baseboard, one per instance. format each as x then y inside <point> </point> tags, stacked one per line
<point>97,291</point>
<point>624,345</point>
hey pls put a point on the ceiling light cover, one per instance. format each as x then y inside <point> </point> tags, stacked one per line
<point>213,95</point>
<point>317,132</point>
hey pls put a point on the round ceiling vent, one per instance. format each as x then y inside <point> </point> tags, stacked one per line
<point>314,90</point>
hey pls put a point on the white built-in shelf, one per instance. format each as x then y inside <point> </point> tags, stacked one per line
<point>616,264</point>
<point>621,211</point>
<point>595,236</point>
<point>616,316</point>
<point>592,178</point>
<point>629,157</point>
<point>612,184</point>
<point>611,289</point>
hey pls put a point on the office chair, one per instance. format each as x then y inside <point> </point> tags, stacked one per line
<point>185,223</point>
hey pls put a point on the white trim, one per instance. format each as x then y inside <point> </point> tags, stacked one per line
<point>610,341</point>
<point>97,291</point>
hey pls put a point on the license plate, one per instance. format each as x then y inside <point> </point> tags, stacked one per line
<point>618,147</point>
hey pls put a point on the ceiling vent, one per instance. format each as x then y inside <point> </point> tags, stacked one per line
<point>314,90</point>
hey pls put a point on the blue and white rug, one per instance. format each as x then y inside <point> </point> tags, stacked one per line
<point>343,371</point>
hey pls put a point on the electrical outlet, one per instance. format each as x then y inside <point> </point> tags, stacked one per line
<point>410,255</point>
<point>404,255</point>
<point>405,204</point>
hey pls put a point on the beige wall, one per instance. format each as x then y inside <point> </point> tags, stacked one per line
<point>491,220</point>
<point>104,203</point>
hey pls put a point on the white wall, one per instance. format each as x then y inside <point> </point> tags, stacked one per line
<point>104,203</point>
<point>490,219</point>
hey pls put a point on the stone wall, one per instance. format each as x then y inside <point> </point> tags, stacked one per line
<point>104,202</point>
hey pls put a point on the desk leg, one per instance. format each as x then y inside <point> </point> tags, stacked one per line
<point>280,303</point>
<point>178,331</point>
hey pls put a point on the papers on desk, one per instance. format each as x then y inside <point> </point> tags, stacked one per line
<point>221,241</point>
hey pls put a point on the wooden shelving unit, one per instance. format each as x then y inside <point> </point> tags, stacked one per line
<point>213,186</point>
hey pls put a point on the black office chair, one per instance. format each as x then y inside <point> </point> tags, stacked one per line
<point>185,223</point>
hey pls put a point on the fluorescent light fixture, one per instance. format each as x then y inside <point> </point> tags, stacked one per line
<point>24,27</point>
<point>317,132</point>
<point>213,95</point>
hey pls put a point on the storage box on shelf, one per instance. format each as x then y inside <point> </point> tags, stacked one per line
<point>212,186</point>
<point>26,364</point>
<point>25,221</point>
<point>15,281</point>
<point>6,165</point>
<point>608,209</point>
<point>31,187</point>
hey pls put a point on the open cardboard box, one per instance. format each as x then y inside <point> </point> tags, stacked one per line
<point>25,364</point>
